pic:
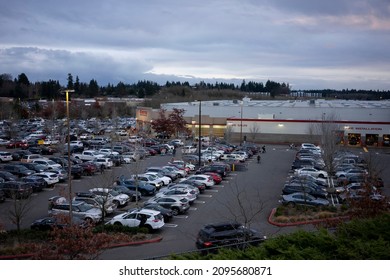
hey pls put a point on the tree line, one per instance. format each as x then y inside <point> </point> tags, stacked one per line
<point>21,88</point>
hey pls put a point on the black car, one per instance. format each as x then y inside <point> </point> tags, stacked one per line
<point>76,170</point>
<point>7,176</point>
<point>51,222</point>
<point>17,169</point>
<point>33,166</point>
<point>60,160</point>
<point>2,196</point>
<point>38,183</point>
<point>227,234</point>
<point>167,213</point>
<point>131,193</point>
<point>219,169</point>
<point>305,187</point>
<point>143,187</point>
<point>117,160</point>
<point>16,189</point>
<point>17,155</point>
<point>201,187</point>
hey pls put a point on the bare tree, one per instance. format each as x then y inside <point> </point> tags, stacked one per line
<point>328,130</point>
<point>228,132</point>
<point>19,209</point>
<point>245,207</point>
<point>254,129</point>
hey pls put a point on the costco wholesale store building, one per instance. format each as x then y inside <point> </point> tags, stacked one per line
<point>289,121</point>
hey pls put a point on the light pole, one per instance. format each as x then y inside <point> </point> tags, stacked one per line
<point>200,133</point>
<point>241,104</point>
<point>67,91</point>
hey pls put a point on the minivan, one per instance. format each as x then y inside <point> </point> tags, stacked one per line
<point>30,158</point>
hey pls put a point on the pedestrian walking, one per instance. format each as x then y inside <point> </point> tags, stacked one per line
<point>263,149</point>
<point>101,168</point>
<point>258,158</point>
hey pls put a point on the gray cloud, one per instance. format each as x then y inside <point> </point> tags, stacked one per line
<point>304,43</point>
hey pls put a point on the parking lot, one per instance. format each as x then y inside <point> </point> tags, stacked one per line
<point>249,194</point>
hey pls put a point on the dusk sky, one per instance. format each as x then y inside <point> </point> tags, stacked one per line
<point>309,44</point>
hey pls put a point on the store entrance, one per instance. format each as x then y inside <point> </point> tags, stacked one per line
<point>354,139</point>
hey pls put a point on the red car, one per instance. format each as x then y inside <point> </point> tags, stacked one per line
<point>14,144</point>
<point>89,168</point>
<point>216,177</point>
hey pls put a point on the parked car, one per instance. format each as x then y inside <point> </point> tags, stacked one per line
<point>227,234</point>
<point>178,205</point>
<point>165,179</point>
<point>52,222</point>
<point>80,210</point>
<point>16,169</point>
<point>50,177</point>
<point>311,171</point>
<point>134,196</point>
<point>179,192</point>
<point>163,171</point>
<point>215,176</point>
<point>181,173</point>
<point>303,199</point>
<point>16,189</point>
<point>38,183</point>
<point>144,188</point>
<point>150,219</point>
<point>7,176</point>
<point>120,200</point>
<point>205,179</point>
<point>307,187</point>
<point>48,163</point>
<point>88,168</point>
<point>150,179</point>
<point>2,195</point>
<point>166,213</point>
<point>222,170</point>
<point>201,186</point>
<point>96,201</point>
<point>103,161</point>
<point>5,156</point>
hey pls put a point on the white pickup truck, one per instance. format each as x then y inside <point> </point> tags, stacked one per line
<point>88,155</point>
<point>189,150</point>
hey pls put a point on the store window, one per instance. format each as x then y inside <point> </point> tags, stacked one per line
<point>386,140</point>
<point>372,139</point>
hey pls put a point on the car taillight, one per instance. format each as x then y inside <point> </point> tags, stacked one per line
<point>155,220</point>
<point>207,244</point>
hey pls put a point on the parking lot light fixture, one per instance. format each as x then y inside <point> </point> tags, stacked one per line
<point>67,91</point>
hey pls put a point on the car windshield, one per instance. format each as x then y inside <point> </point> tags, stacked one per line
<point>84,207</point>
<point>114,193</point>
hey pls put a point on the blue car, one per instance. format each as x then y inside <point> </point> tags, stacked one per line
<point>136,185</point>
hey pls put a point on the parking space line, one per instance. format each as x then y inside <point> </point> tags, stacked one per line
<point>211,190</point>
<point>181,216</point>
<point>170,225</point>
<point>205,195</point>
<point>193,208</point>
<point>200,201</point>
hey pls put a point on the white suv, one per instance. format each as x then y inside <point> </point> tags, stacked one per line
<point>150,219</point>
<point>119,199</point>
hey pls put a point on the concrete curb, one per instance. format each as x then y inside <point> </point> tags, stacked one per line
<point>317,221</point>
<point>134,243</point>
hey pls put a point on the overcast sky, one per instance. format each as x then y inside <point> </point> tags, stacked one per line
<point>309,44</point>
